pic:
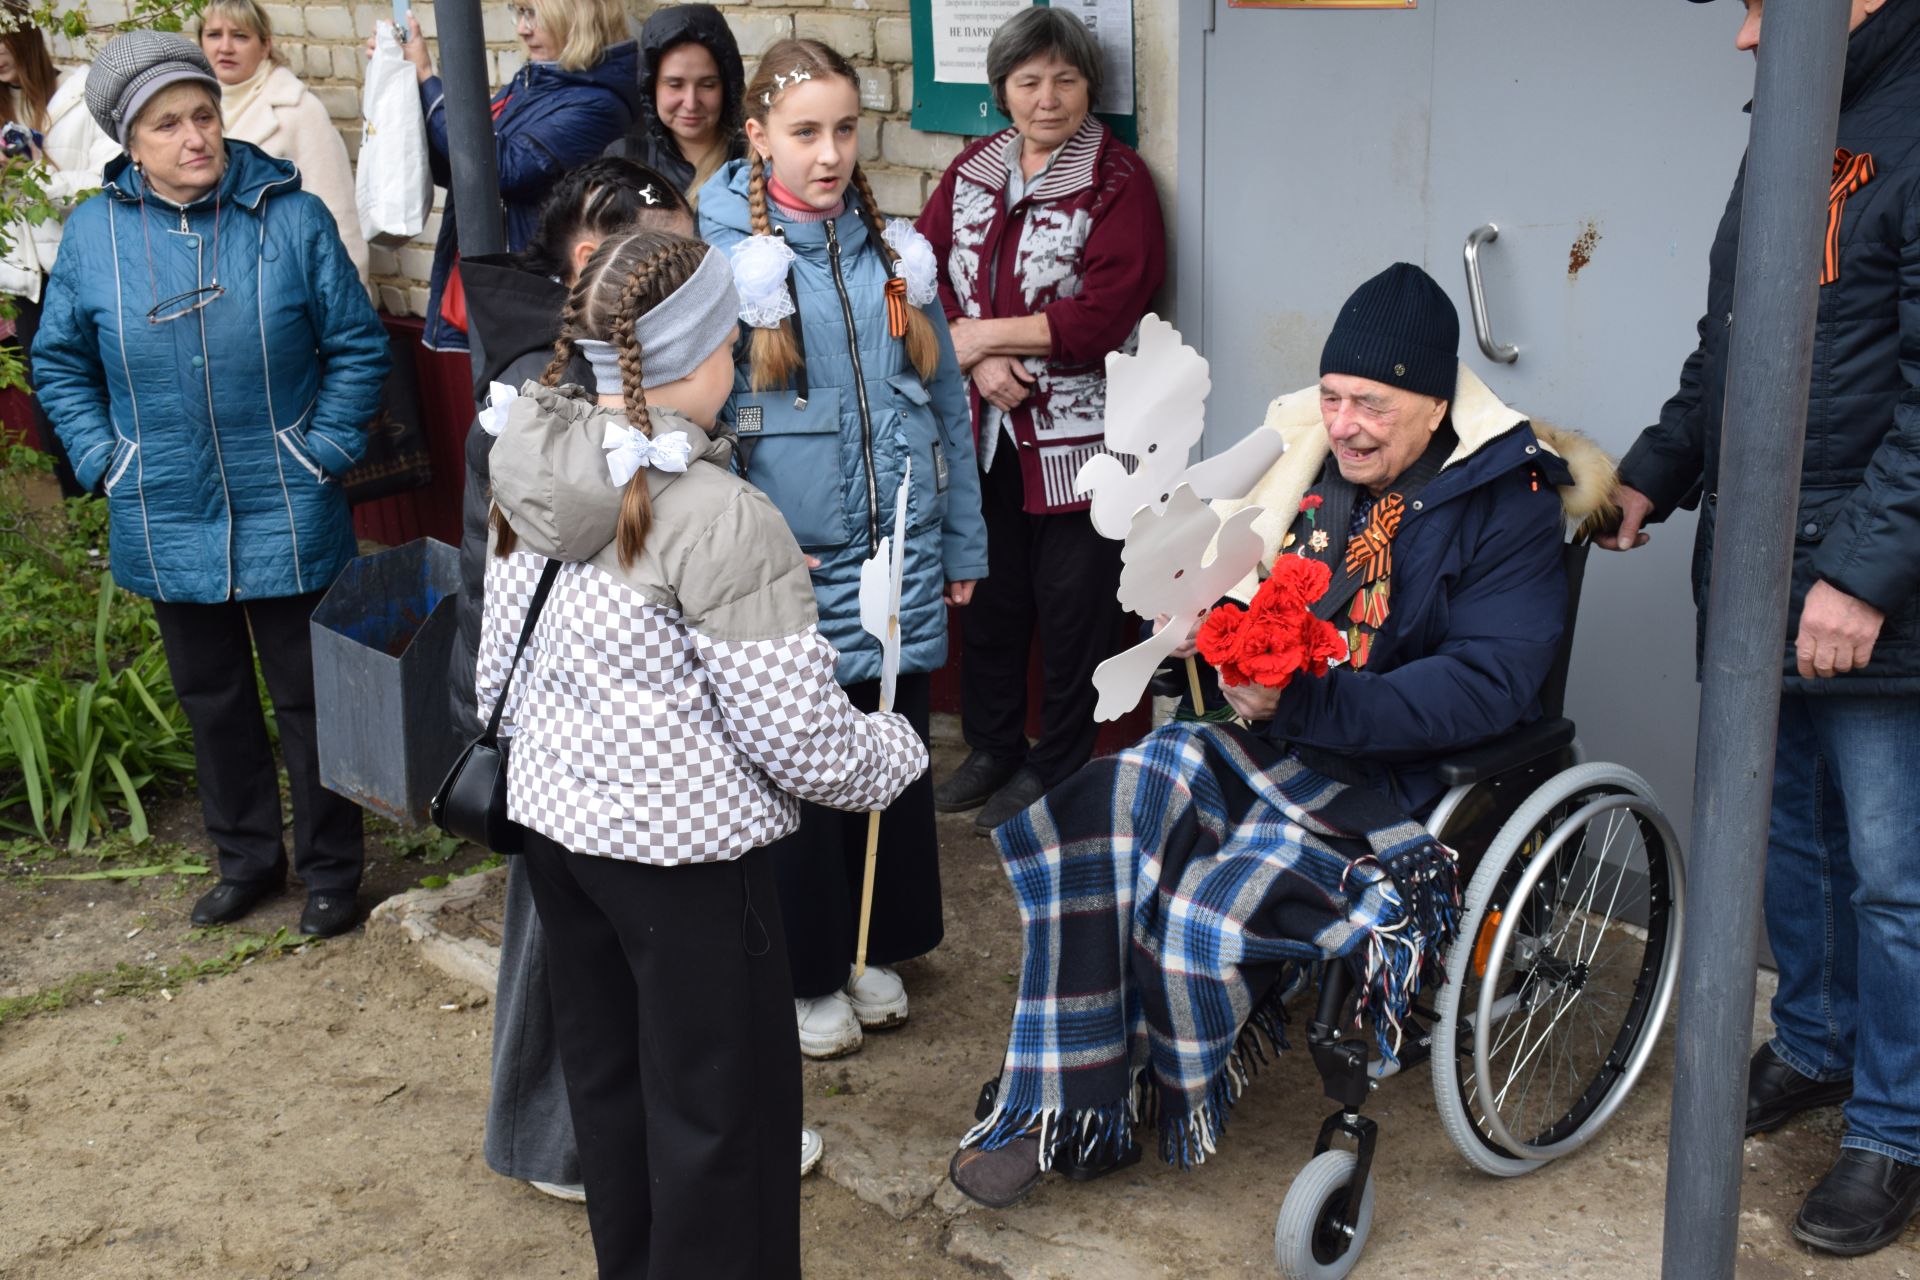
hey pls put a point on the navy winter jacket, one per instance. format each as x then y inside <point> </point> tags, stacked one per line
<point>220,435</point>
<point>1478,601</point>
<point>1858,526</point>
<point>546,121</point>
<point>833,466</point>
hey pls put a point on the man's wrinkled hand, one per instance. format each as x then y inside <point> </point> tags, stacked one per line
<point>1251,702</point>
<point>1186,648</point>
<point>1837,633</point>
<point>1635,507</point>
<point>1003,381</point>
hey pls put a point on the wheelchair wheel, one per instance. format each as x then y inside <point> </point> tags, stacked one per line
<point>1308,1242</point>
<point>1562,973</point>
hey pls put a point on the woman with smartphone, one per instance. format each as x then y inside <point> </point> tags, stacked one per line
<point>577,92</point>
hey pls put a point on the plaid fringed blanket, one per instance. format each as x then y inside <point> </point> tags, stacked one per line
<point>1145,882</point>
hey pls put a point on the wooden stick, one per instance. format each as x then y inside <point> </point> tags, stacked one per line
<point>1193,686</point>
<point>866,893</point>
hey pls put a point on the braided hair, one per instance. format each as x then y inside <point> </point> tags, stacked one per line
<point>597,199</point>
<point>627,276</point>
<point>775,356</point>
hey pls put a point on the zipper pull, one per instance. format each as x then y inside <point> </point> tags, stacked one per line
<point>833,240</point>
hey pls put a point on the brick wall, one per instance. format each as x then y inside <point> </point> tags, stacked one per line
<point>322,42</point>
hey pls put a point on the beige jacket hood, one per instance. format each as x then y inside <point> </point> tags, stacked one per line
<point>718,551</point>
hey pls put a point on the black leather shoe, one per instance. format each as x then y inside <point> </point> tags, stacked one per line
<point>328,914</point>
<point>231,899</point>
<point>973,783</point>
<point>1776,1092</point>
<point>1021,790</point>
<point>1863,1204</point>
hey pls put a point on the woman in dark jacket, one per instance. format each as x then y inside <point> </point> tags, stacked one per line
<point>513,306</point>
<point>575,95</point>
<point>1051,246</point>
<point>209,356</point>
<point>691,82</point>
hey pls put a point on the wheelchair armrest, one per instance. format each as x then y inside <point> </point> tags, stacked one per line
<point>1527,743</point>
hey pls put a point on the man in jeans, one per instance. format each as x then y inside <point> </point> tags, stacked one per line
<point>1843,864</point>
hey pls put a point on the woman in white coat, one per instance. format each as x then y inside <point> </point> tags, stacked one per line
<point>45,108</point>
<point>266,104</point>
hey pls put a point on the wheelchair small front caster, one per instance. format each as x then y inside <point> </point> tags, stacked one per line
<point>1317,1236</point>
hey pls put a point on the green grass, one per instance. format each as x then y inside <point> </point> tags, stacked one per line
<point>126,981</point>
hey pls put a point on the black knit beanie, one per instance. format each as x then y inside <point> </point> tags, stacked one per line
<point>1399,328</point>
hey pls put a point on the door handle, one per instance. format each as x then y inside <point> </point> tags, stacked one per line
<point>1504,352</point>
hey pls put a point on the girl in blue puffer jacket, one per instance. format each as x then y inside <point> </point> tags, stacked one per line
<point>848,375</point>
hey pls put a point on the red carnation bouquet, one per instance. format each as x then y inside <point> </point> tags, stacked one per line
<point>1276,636</point>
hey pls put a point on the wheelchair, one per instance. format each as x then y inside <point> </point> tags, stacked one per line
<point>1556,986</point>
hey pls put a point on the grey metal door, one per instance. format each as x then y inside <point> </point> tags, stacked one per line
<point>1601,140</point>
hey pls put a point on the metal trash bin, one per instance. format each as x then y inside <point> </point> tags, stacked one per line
<point>382,639</point>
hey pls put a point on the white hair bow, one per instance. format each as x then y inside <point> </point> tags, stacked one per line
<point>629,450</point>
<point>919,265</point>
<point>760,266</point>
<point>494,416</point>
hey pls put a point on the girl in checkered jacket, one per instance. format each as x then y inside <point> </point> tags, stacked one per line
<point>674,703</point>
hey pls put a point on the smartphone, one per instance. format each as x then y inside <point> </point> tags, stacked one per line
<point>401,8</point>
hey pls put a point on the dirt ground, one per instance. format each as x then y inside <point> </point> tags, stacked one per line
<point>316,1111</point>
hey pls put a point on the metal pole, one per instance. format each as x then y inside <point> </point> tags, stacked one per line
<point>1775,300</point>
<point>474,197</point>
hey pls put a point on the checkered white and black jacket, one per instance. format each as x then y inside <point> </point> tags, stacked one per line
<point>637,737</point>
<point>672,709</point>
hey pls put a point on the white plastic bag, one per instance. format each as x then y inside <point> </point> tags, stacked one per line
<point>394,186</point>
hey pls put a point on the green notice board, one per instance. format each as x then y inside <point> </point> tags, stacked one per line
<point>941,106</point>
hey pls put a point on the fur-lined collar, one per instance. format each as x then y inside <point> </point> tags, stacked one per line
<point>1479,417</point>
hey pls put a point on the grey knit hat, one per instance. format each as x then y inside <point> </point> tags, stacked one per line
<point>1399,328</point>
<point>135,66</point>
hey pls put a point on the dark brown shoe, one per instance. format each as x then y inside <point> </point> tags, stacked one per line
<point>999,1177</point>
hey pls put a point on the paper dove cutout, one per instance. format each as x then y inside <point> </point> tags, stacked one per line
<point>880,592</point>
<point>1162,572</point>
<point>1156,407</point>
<point>1156,411</point>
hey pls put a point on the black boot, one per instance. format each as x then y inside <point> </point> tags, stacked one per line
<point>1776,1092</point>
<point>231,899</point>
<point>973,783</point>
<point>1863,1204</point>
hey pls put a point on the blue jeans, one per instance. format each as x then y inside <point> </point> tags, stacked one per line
<point>1843,907</point>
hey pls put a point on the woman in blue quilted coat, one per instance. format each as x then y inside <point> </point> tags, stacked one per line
<point>209,358</point>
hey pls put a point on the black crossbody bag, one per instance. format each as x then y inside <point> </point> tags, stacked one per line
<point>472,800</point>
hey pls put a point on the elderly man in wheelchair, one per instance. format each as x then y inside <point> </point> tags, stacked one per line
<point>1176,895</point>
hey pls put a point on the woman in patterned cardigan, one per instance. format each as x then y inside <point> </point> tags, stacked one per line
<point>1052,246</point>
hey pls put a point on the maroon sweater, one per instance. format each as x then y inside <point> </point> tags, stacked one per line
<point>1085,247</point>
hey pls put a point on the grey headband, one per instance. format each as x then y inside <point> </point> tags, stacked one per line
<point>679,333</point>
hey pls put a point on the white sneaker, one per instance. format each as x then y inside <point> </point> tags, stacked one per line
<point>811,1149</point>
<point>828,1027</point>
<point>878,997</point>
<point>571,1192</point>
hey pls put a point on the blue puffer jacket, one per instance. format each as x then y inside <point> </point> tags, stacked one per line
<point>545,122</point>
<point>221,434</point>
<point>834,466</point>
